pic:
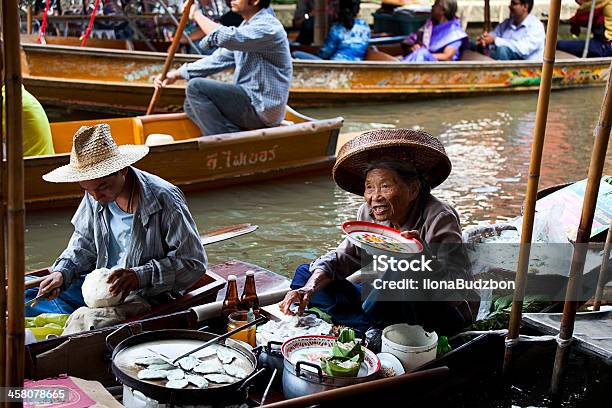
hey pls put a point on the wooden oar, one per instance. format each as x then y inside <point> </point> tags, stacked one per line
<point>209,237</point>
<point>171,52</point>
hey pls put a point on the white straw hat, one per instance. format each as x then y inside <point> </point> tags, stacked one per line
<point>94,155</point>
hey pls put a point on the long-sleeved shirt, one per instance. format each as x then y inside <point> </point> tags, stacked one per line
<point>258,50</point>
<point>439,228</point>
<point>165,249</point>
<point>527,39</point>
<point>346,45</point>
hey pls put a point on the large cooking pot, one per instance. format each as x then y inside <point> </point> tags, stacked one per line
<point>173,343</point>
<point>302,375</point>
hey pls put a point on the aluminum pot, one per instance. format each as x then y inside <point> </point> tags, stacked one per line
<point>271,357</point>
<point>179,341</point>
<point>302,377</point>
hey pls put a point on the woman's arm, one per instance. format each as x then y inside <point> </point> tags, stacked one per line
<point>447,54</point>
<point>317,281</point>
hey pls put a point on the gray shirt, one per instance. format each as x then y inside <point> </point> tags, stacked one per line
<point>165,250</point>
<point>437,223</point>
<point>258,50</point>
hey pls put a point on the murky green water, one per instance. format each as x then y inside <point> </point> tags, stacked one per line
<point>488,140</point>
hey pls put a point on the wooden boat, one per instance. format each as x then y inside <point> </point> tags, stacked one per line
<point>120,81</point>
<point>193,162</point>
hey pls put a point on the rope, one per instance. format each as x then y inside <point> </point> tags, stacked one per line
<point>43,27</point>
<point>85,36</point>
<point>562,343</point>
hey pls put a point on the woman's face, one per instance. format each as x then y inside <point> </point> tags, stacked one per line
<point>389,196</point>
<point>437,11</point>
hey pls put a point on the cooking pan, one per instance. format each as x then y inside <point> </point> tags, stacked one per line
<point>173,343</point>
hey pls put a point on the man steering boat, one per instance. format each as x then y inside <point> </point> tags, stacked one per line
<point>129,221</point>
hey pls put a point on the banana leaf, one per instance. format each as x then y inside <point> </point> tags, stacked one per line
<point>341,366</point>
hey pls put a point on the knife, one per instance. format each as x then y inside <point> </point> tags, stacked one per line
<point>37,299</point>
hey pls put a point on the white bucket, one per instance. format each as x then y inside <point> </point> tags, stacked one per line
<point>412,345</point>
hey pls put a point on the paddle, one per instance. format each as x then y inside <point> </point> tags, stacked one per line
<point>171,52</point>
<point>207,238</point>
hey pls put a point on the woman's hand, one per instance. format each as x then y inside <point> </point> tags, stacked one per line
<point>415,47</point>
<point>300,296</point>
<point>195,7</point>
<point>50,287</point>
<point>412,234</point>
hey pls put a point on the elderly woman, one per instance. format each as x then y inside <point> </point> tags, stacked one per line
<point>440,38</point>
<point>394,170</point>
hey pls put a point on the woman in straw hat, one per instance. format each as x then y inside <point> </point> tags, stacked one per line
<point>129,220</point>
<point>394,170</point>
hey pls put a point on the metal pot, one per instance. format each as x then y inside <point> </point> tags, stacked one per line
<point>180,341</point>
<point>271,357</point>
<point>304,378</point>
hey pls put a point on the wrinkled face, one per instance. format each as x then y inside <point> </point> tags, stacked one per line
<point>244,6</point>
<point>106,189</point>
<point>518,10</point>
<point>437,11</point>
<point>389,196</point>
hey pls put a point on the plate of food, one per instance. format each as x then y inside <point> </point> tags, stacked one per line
<point>379,239</point>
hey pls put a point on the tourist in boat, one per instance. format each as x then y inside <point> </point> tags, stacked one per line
<point>440,39</point>
<point>37,138</point>
<point>394,170</point>
<point>600,45</point>
<point>519,37</point>
<point>347,39</point>
<point>130,221</point>
<point>258,50</point>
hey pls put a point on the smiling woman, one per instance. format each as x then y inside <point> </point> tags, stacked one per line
<point>394,170</point>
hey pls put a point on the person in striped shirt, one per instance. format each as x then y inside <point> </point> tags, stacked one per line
<point>258,50</point>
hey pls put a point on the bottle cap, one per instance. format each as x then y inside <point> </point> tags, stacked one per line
<point>250,273</point>
<point>231,277</point>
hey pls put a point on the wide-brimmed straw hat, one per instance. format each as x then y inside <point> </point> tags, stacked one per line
<point>94,155</point>
<point>420,148</point>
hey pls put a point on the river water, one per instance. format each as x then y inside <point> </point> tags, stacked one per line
<point>488,140</point>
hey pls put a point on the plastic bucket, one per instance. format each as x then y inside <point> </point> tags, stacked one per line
<point>412,345</point>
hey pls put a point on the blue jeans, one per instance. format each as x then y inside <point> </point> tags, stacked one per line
<point>305,56</point>
<point>504,54</point>
<point>597,47</point>
<point>66,303</point>
<point>217,107</point>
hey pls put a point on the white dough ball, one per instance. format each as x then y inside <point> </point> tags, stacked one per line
<point>96,291</point>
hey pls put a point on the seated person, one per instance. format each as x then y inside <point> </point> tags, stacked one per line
<point>258,50</point>
<point>519,37</point>
<point>37,138</point>
<point>129,221</point>
<point>303,19</point>
<point>394,171</point>
<point>600,43</point>
<point>441,37</point>
<point>347,39</point>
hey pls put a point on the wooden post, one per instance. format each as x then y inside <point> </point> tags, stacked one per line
<point>320,23</point>
<point>170,56</point>
<point>15,204</point>
<point>487,16</point>
<point>3,344</point>
<point>574,284</point>
<point>533,180</point>
<point>29,20</point>
<point>603,271</point>
<point>585,51</point>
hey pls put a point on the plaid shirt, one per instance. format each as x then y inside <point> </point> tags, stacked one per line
<point>259,51</point>
<point>165,250</point>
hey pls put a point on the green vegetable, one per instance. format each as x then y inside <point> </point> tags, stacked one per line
<point>346,358</point>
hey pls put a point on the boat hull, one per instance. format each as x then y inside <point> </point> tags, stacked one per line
<point>120,81</point>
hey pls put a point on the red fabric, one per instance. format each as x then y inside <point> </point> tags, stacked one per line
<point>581,18</point>
<point>91,23</point>
<point>43,27</point>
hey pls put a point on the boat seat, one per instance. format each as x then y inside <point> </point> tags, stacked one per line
<point>469,55</point>
<point>373,54</point>
<point>564,55</point>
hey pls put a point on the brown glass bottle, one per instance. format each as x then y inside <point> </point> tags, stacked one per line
<point>231,301</point>
<point>249,299</point>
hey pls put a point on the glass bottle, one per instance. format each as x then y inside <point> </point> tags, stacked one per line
<point>249,299</point>
<point>231,301</point>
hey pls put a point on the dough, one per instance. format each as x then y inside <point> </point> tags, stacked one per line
<point>96,289</point>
